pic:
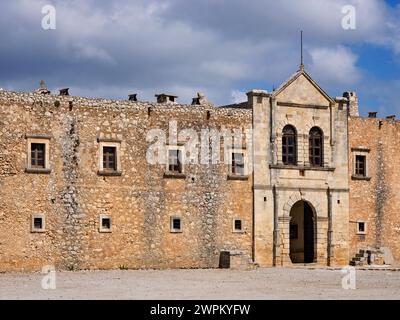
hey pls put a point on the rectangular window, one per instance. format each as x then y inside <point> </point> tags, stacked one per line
<point>38,151</point>
<point>109,158</point>
<point>238,163</point>
<point>176,224</point>
<point>360,169</point>
<point>237,225</point>
<point>105,223</point>
<point>38,224</point>
<point>361,227</point>
<point>175,161</point>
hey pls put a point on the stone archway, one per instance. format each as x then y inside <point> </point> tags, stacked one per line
<point>302,233</point>
<point>320,222</point>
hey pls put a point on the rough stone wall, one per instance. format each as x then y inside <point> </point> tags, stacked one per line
<point>140,201</point>
<point>375,201</point>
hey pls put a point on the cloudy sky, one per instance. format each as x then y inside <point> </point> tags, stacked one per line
<point>220,47</point>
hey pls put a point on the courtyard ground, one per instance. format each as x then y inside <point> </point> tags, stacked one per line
<point>268,283</point>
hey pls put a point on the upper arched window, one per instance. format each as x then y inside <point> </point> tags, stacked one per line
<point>316,140</point>
<point>289,145</point>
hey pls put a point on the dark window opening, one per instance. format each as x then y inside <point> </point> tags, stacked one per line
<point>175,161</point>
<point>238,225</point>
<point>110,158</point>
<point>361,227</point>
<point>289,146</point>
<point>316,147</point>
<point>38,151</point>
<point>238,164</point>
<point>360,166</point>
<point>38,223</point>
<point>106,223</point>
<point>176,224</point>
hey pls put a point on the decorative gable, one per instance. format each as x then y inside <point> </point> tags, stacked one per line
<point>302,90</point>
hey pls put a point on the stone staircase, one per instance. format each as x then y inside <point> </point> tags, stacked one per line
<point>366,257</point>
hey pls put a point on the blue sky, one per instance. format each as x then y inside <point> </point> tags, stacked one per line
<point>220,47</point>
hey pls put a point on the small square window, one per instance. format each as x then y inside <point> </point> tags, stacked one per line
<point>38,223</point>
<point>176,224</point>
<point>361,227</point>
<point>105,223</point>
<point>237,225</point>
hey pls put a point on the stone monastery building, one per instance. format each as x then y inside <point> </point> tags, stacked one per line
<point>289,176</point>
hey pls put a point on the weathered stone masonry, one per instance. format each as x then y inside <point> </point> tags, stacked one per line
<point>299,212</point>
<point>140,201</point>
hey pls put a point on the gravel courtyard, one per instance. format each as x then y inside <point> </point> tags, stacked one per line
<point>270,283</point>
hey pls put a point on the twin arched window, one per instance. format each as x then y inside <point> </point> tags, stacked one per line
<point>289,146</point>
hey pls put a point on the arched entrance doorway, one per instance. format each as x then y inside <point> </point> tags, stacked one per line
<point>302,233</point>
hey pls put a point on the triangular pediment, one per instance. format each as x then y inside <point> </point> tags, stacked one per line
<point>302,89</point>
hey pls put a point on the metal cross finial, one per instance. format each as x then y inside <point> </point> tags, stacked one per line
<point>42,84</point>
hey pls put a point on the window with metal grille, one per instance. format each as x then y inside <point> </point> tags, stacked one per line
<point>38,151</point>
<point>289,145</point>
<point>238,163</point>
<point>109,158</point>
<point>360,166</point>
<point>316,147</point>
<point>175,161</point>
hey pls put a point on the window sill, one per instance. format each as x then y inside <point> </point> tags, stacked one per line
<point>174,175</point>
<point>239,232</point>
<point>105,231</point>
<point>176,231</point>
<point>38,231</point>
<point>355,177</point>
<point>291,167</point>
<point>237,177</point>
<point>361,233</point>
<point>109,173</point>
<point>37,170</point>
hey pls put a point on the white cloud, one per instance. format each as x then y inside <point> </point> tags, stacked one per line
<point>218,47</point>
<point>335,66</point>
<point>238,96</point>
